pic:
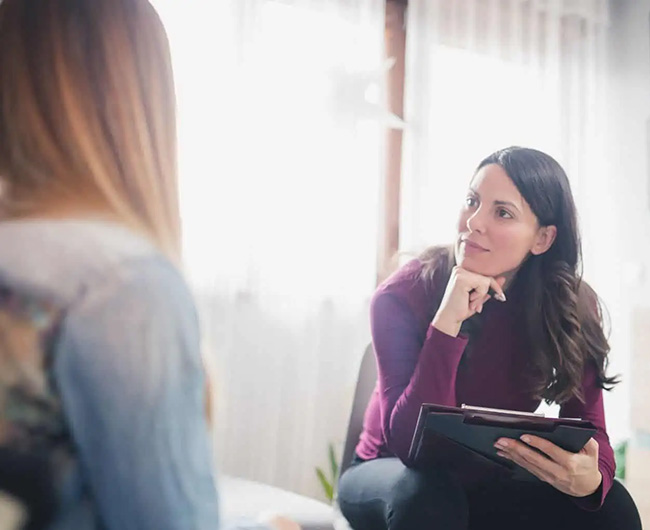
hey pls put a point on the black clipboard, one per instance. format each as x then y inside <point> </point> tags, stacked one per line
<point>462,439</point>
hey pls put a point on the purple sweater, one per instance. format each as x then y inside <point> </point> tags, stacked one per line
<point>419,364</point>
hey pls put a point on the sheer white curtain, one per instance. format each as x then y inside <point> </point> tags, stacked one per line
<point>281,129</point>
<point>486,74</point>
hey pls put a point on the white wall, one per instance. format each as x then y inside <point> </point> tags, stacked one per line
<point>629,56</point>
<point>629,177</point>
<point>626,204</point>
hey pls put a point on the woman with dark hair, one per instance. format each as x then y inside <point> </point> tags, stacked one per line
<point>440,337</point>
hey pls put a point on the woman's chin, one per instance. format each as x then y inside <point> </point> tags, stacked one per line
<point>475,266</point>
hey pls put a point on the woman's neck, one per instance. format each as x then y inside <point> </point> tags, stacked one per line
<point>509,276</point>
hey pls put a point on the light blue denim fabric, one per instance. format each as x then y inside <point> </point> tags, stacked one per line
<point>126,365</point>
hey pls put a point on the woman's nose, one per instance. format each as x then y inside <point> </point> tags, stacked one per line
<point>476,222</point>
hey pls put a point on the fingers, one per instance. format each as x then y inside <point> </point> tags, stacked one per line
<point>481,285</point>
<point>477,288</point>
<point>554,452</point>
<point>528,466</point>
<point>476,302</point>
<point>474,296</point>
<point>479,293</point>
<point>528,458</point>
<point>591,448</point>
<point>497,287</point>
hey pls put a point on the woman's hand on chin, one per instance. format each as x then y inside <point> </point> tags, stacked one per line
<point>464,297</point>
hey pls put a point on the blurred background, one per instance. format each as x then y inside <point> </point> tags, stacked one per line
<point>318,138</point>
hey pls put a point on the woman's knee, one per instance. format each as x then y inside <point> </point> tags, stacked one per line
<point>383,493</point>
<point>428,501</point>
<point>619,509</point>
<point>359,500</point>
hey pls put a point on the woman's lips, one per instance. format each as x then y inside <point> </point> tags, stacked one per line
<point>472,247</point>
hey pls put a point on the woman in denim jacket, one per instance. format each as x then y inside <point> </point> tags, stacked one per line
<point>103,418</point>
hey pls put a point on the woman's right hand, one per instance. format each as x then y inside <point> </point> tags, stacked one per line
<point>465,295</point>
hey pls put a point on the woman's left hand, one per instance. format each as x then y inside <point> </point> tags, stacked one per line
<point>575,474</point>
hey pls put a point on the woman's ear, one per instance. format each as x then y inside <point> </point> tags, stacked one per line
<point>544,239</point>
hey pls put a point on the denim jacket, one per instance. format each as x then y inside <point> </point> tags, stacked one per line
<point>122,406</point>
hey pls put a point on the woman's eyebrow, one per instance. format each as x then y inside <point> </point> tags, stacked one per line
<point>507,203</point>
<point>496,203</point>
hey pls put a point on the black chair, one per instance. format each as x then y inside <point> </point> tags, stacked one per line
<point>366,383</point>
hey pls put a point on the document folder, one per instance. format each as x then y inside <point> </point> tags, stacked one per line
<point>461,439</point>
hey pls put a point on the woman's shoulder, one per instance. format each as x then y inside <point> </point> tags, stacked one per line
<point>62,261</point>
<point>421,272</point>
<point>415,284</point>
<point>403,278</point>
<point>128,323</point>
<point>140,292</point>
<point>152,278</point>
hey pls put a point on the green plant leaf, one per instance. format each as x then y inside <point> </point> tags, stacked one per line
<point>327,487</point>
<point>620,452</point>
<point>333,464</point>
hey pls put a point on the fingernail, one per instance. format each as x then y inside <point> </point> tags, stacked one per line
<point>502,454</point>
<point>525,439</point>
<point>500,445</point>
<point>501,297</point>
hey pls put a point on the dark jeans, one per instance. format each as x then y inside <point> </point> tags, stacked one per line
<point>28,478</point>
<point>383,494</point>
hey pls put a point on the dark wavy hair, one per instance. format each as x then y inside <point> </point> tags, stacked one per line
<point>563,315</point>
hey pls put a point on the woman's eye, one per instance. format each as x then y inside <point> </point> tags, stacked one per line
<point>504,214</point>
<point>471,202</point>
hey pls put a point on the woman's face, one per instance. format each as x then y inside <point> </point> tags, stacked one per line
<point>497,229</point>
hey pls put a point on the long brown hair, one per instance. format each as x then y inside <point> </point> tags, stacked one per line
<point>87,113</point>
<point>563,315</point>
